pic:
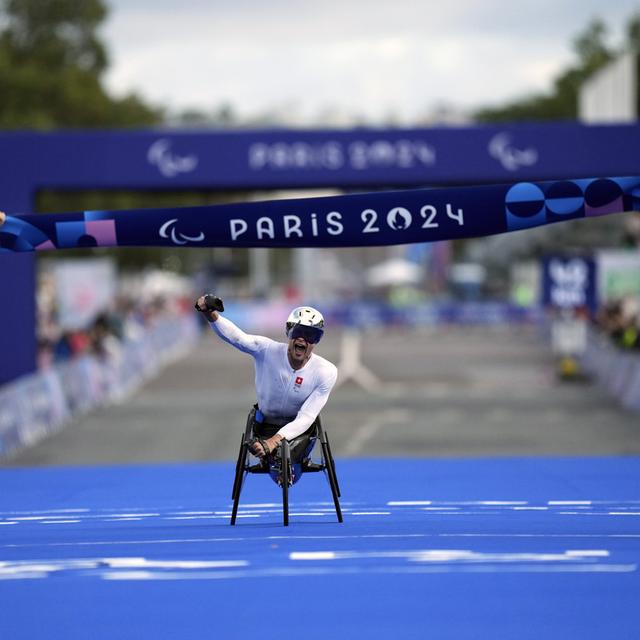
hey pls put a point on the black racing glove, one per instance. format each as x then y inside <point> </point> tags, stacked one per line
<point>211,303</point>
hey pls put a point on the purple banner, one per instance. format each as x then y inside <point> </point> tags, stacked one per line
<point>286,158</point>
<point>381,218</point>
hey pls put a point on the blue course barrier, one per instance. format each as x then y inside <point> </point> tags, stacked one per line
<point>615,370</point>
<point>39,404</point>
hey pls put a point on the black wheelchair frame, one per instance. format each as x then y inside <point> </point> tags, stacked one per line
<point>280,468</point>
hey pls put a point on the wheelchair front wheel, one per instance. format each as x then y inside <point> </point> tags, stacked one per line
<point>285,475</point>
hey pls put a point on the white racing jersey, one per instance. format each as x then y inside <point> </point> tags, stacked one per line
<point>282,391</point>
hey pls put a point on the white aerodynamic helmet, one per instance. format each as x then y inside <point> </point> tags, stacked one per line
<point>305,322</point>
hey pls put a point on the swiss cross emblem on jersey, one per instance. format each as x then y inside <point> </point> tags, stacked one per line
<point>299,380</point>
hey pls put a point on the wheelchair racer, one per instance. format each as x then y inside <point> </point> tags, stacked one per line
<point>292,382</point>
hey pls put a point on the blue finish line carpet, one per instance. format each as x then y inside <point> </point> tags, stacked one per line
<point>490,548</point>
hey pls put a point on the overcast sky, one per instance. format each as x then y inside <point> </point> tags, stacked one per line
<point>366,57</point>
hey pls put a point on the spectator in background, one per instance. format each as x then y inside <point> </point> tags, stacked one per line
<point>129,319</point>
<point>105,343</point>
<point>620,320</point>
<point>632,229</point>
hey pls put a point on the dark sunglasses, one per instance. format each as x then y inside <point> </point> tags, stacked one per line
<point>311,334</point>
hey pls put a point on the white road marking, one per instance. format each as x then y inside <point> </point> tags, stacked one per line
<point>83,516</point>
<point>369,429</point>
<point>602,513</point>
<point>453,512</point>
<point>59,521</point>
<point>452,556</point>
<point>539,535</point>
<point>371,513</point>
<point>133,563</point>
<point>220,517</point>
<point>482,503</point>
<point>197,517</point>
<point>577,507</point>
<point>420,561</point>
<point>260,505</point>
<point>500,503</point>
<point>306,572</point>
<point>40,511</point>
<point>92,567</point>
<point>312,555</point>
<point>256,511</point>
<point>129,575</point>
<point>97,543</point>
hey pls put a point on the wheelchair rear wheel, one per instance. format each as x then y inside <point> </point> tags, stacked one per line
<point>330,469</point>
<point>333,464</point>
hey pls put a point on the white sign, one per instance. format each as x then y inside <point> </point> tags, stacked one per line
<point>84,288</point>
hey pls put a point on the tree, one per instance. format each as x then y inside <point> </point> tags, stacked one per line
<point>51,66</point>
<point>561,103</point>
<point>633,33</point>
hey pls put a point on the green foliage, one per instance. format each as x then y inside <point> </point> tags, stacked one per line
<point>51,68</point>
<point>57,33</point>
<point>51,64</point>
<point>592,52</point>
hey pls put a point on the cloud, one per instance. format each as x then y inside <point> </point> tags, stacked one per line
<point>369,57</point>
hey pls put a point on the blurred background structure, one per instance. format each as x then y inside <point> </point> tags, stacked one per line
<point>75,80</point>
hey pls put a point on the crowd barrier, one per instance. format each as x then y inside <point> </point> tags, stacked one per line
<point>614,369</point>
<point>270,316</point>
<point>37,405</point>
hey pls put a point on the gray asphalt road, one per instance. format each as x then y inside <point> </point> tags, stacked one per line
<point>442,392</point>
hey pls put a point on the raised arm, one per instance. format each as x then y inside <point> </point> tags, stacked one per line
<point>232,334</point>
<point>311,408</point>
<point>211,306</point>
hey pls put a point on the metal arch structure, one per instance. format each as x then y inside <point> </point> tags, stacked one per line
<point>360,159</point>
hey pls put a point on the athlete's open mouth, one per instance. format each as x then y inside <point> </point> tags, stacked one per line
<point>299,348</point>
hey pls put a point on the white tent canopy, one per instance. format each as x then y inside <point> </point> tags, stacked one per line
<point>395,271</point>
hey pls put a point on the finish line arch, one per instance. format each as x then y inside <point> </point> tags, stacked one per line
<point>274,159</point>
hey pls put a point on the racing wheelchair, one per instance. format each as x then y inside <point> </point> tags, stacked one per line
<point>286,464</point>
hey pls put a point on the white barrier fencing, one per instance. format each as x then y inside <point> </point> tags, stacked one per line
<point>615,370</point>
<point>37,405</point>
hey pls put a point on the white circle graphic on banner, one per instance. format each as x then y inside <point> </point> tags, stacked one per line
<point>399,218</point>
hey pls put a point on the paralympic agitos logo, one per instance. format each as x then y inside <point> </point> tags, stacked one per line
<point>313,225</point>
<point>169,163</point>
<point>168,230</point>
